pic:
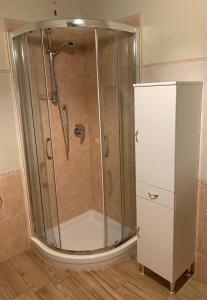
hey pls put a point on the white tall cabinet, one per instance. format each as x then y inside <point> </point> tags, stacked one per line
<point>167,138</point>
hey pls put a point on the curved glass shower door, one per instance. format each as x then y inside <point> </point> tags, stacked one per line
<point>116,78</point>
<point>37,136</point>
<point>76,100</point>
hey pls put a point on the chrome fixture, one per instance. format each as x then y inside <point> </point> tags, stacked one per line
<point>86,23</point>
<point>56,51</point>
<point>50,96</point>
<point>54,95</point>
<point>136,136</point>
<point>106,144</point>
<point>80,132</point>
<point>48,140</point>
<point>153,196</point>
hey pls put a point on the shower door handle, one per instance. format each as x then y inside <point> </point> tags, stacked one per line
<point>106,145</point>
<point>47,152</point>
<point>136,136</point>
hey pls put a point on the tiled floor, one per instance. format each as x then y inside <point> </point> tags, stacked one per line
<point>26,277</point>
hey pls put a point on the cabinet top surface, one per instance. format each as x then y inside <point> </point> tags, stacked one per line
<point>167,83</point>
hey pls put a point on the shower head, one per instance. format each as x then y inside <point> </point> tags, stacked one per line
<point>68,44</point>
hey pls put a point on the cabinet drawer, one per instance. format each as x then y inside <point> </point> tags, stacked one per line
<point>155,194</point>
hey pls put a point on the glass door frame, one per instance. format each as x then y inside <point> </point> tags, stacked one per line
<point>23,127</point>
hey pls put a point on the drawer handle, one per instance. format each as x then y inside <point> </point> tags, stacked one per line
<point>1,201</point>
<point>153,196</point>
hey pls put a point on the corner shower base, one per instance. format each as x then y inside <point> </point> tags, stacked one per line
<point>86,232</point>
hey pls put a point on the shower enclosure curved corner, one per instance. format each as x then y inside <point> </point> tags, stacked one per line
<point>75,98</point>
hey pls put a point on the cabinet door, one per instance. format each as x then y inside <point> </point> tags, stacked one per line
<point>155,142</point>
<point>155,237</point>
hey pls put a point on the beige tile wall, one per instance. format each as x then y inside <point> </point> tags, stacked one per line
<point>201,237</point>
<point>4,58</point>
<point>14,220</point>
<point>78,179</point>
<point>14,229</point>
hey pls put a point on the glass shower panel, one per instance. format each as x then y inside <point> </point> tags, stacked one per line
<point>78,176</point>
<point>109,106</point>
<point>126,73</point>
<point>30,147</point>
<point>42,131</point>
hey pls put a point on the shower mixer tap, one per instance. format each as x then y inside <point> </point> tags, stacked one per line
<point>79,131</point>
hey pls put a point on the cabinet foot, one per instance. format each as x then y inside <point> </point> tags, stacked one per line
<point>188,273</point>
<point>172,288</point>
<point>142,269</point>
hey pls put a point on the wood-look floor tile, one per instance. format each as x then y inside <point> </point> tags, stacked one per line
<point>111,277</point>
<point>132,291</point>
<point>76,288</point>
<point>192,290</point>
<point>49,292</point>
<point>27,277</point>
<point>54,275</point>
<point>151,288</point>
<point>102,285</point>
<point>29,271</point>
<point>27,296</point>
<point>11,283</point>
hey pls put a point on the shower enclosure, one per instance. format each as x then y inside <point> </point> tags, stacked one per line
<point>75,97</point>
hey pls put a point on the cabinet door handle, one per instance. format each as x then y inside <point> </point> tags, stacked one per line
<point>136,136</point>
<point>138,231</point>
<point>153,196</point>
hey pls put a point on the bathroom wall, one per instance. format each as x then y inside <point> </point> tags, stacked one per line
<point>14,220</point>
<point>37,10</point>
<point>172,29</point>
<point>14,237</point>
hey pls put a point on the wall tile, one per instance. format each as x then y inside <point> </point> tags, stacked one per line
<point>201,267</point>
<point>13,195</point>
<point>2,208</point>
<point>14,225</point>
<point>9,156</point>
<point>4,61</point>
<point>201,233</point>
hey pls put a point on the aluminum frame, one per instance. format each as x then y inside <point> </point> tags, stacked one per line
<point>72,23</point>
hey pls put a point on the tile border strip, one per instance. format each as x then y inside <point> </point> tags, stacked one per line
<point>190,60</point>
